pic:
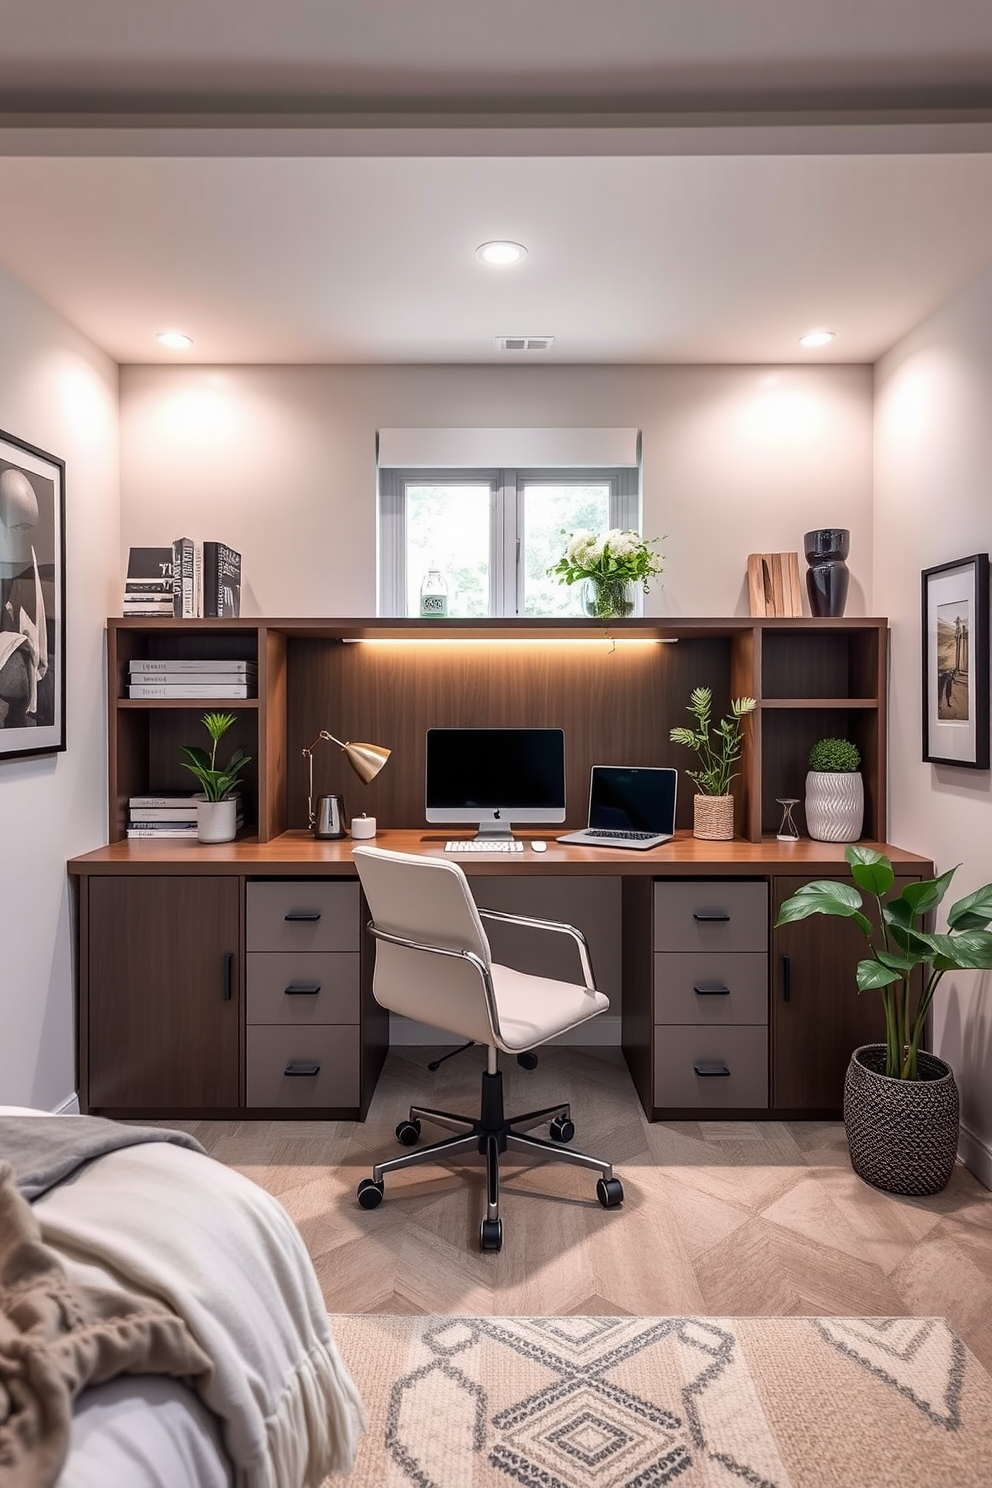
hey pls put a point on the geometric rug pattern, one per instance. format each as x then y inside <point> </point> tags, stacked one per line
<point>622,1402</point>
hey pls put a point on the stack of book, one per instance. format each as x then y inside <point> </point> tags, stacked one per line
<point>166,814</point>
<point>149,586</point>
<point>192,679</point>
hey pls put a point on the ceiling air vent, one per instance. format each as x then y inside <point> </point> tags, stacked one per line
<point>524,343</point>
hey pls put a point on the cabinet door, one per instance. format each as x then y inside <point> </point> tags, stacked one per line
<point>163,993</point>
<point>818,1016</point>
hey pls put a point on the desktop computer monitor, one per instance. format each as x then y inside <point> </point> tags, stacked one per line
<point>495,778</point>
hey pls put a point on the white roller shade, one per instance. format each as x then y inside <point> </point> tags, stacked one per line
<point>513,449</point>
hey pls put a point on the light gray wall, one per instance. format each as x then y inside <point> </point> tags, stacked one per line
<point>280,462</point>
<point>57,391</point>
<point>933,503</point>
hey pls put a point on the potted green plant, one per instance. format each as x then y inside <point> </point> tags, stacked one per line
<point>217,810</point>
<point>718,751</point>
<point>900,1102</point>
<point>609,564</point>
<point>835,793</point>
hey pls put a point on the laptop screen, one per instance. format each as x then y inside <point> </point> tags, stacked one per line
<point>634,799</point>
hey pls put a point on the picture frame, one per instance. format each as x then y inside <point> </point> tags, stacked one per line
<point>955,626</point>
<point>32,600</point>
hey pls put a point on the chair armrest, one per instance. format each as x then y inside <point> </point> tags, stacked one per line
<point>433,950</point>
<point>559,928</point>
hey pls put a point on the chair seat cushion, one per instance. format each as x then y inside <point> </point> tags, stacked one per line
<point>535,1008</point>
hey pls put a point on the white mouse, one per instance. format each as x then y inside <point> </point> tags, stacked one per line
<point>539,847</point>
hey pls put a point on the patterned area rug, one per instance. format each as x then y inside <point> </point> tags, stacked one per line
<point>621,1402</point>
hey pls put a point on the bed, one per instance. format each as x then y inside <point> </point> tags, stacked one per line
<point>211,1264</point>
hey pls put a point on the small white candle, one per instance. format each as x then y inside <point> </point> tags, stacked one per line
<point>363,826</point>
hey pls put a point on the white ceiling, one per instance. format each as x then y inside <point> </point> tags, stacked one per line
<point>285,232</point>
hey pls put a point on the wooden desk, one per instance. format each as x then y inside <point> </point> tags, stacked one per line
<point>174,1019</point>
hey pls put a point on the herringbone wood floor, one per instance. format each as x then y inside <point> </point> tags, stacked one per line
<point>725,1218</point>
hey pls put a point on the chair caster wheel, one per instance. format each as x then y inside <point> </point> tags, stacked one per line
<point>562,1130</point>
<point>527,1061</point>
<point>370,1193</point>
<point>491,1234</point>
<point>408,1132</point>
<point>609,1192</point>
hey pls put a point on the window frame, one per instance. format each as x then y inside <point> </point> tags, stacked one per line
<point>506,523</point>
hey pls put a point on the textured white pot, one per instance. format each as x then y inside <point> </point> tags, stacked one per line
<point>835,805</point>
<point>217,821</point>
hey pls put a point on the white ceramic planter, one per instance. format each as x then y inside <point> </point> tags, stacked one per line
<point>835,805</point>
<point>217,821</point>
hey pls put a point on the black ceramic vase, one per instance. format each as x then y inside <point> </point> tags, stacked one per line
<point>827,577</point>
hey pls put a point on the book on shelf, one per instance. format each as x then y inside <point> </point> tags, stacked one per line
<point>145,664</point>
<point>148,611</point>
<point>148,583</point>
<point>184,572</point>
<point>189,832</point>
<point>194,679</point>
<point>223,689</point>
<point>221,581</point>
<point>163,828</point>
<point>162,814</point>
<point>171,798</point>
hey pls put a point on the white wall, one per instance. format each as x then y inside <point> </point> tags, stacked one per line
<point>280,462</point>
<point>58,392</point>
<point>933,504</point>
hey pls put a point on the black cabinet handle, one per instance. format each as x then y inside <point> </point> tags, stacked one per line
<point>710,914</point>
<point>301,989</point>
<point>710,989</point>
<point>710,1067</point>
<point>786,978</point>
<point>228,975</point>
<point>302,1067</point>
<point>302,914</point>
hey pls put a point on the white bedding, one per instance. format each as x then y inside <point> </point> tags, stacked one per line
<point>172,1223</point>
<point>144,1431</point>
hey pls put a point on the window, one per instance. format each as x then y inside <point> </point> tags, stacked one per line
<point>492,533</point>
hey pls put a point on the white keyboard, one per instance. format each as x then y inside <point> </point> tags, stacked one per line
<point>473,845</point>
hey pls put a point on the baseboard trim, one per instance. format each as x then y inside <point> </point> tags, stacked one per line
<point>68,1107</point>
<point>602,1032</point>
<point>976,1154</point>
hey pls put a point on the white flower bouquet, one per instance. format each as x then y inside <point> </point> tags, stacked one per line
<point>610,561</point>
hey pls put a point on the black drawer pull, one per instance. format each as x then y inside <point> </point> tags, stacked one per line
<point>301,989</point>
<point>786,978</point>
<point>302,914</point>
<point>710,1067</point>
<point>302,1067</point>
<point>710,989</point>
<point>708,915</point>
<point>228,975</point>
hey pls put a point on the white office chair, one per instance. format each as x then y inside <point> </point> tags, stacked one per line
<point>433,963</point>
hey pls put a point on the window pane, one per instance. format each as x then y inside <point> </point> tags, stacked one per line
<point>550,513</point>
<point>447,527</point>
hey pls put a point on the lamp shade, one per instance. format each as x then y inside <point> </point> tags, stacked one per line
<point>366,759</point>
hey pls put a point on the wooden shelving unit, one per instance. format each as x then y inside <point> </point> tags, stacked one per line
<point>615,700</point>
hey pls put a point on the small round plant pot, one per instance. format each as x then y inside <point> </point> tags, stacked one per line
<point>902,1134</point>
<point>835,805</point>
<point>713,818</point>
<point>217,821</point>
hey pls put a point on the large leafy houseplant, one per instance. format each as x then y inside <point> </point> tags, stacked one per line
<point>219,782</point>
<point>717,750</point>
<point>901,945</point>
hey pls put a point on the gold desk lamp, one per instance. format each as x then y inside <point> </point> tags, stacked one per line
<point>365,759</point>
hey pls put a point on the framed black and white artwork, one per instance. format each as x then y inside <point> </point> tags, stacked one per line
<point>32,600</point>
<point>956,663</point>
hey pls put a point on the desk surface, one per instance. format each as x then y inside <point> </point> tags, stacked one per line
<point>297,853</point>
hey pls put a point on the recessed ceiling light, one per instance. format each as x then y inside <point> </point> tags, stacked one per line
<point>817,338</point>
<point>175,340</point>
<point>501,255</point>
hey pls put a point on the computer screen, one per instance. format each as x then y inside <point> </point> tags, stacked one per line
<point>495,777</point>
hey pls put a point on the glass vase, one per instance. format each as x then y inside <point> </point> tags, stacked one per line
<point>607,599</point>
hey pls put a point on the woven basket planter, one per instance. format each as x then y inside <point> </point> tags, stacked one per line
<point>713,818</point>
<point>903,1134</point>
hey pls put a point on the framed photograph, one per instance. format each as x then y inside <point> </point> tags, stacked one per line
<point>32,600</point>
<point>956,663</point>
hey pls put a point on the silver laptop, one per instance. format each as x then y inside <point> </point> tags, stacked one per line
<point>629,806</point>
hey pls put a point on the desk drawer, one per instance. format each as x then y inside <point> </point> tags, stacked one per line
<point>305,914</point>
<point>711,915</point>
<point>732,987</point>
<point>333,1049</point>
<point>682,1055</point>
<point>302,987</point>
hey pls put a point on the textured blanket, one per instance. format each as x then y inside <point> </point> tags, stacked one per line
<point>46,1150</point>
<point>56,1336</point>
